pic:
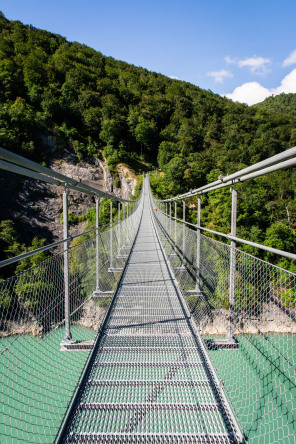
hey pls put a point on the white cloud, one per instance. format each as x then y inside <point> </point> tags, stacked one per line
<point>250,93</point>
<point>253,92</point>
<point>256,64</point>
<point>288,84</point>
<point>291,60</point>
<point>220,75</point>
<point>230,60</point>
<point>174,77</point>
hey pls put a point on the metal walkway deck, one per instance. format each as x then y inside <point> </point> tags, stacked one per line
<point>150,379</point>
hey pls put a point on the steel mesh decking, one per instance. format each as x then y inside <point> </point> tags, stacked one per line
<point>149,380</point>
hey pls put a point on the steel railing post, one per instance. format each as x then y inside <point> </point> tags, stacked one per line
<point>166,216</point>
<point>176,227</point>
<point>97,243</point>
<point>183,246</point>
<point>170,219</point>
<point>232,262</point>
<point>198,245</point>
<point>125,227</point>
<point>111,234</point>
<point>119,230</point>
<point>68,335</point>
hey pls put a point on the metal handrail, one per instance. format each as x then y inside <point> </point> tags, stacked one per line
<point>234,238</point>
<point>20,165</point>
<point>14,259</point>
<point>284,160</point>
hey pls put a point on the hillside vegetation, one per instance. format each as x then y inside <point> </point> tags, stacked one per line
<point>96,105</point>
<point>283,103</point>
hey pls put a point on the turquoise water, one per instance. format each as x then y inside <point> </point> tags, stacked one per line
<point>39,381</point>
<point>261,384</point>
<point>37,384</point>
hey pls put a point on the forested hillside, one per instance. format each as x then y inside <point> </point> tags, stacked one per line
<point>283,103</point>
<point>96,106</point>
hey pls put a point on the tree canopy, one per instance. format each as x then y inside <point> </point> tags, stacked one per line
<point>282,103</point>
<point>96,104</point>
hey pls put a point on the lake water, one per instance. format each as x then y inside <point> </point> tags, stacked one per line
<point>39,381</point>
<point>37,384</point>
<point>260,378</point>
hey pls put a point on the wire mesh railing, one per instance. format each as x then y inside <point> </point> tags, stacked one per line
<point>252,343</point>
<point>38,379</point>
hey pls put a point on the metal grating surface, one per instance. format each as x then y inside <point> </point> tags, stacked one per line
<point>149,380</point>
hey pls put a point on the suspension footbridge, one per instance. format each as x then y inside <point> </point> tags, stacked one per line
<point>178,355</point>
<point>149,377</point>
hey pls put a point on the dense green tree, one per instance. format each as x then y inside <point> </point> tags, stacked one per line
<point>95,103</point>
<point>278,235</point>
<point>167,150</point>
<point>283,103</point>
<point>10,246</point>
<point>146,134</point>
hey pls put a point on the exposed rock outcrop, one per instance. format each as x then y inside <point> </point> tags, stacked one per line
<point>271,319</point>
<point>37,206</point>
<point>128,181</point>
<point>92,315</point>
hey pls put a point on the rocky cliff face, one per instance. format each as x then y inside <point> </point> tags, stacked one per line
<point>36,206</point>
<point>127,182</point>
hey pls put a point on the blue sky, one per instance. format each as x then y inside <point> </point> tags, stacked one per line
<point>245,49</point>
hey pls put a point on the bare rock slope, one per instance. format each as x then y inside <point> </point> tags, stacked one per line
<point>37,206</point>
